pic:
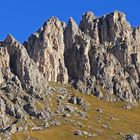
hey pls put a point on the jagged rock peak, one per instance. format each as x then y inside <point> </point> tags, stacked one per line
<point>55,21</point>
<point>22,66</point>
<point>72,25</point>
<point>46,48</point>
<point>111,28</point>
<point>10,39</point>
<point>116,12</point>
<point>88,16</point>
<point>117,16</point>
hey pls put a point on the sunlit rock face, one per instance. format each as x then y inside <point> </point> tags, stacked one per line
<point>46,48</point>
<point>21,86</point>
<point>112,28</point>
<point>17,65</point>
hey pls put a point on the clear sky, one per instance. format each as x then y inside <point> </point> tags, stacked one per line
<point>23,17</point>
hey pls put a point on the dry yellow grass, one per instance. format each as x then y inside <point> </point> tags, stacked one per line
<point>119,119</point>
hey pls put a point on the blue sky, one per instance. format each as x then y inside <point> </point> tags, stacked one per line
<point>23,17</point>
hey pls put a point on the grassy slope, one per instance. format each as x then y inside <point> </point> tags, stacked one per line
<point>119,119</point>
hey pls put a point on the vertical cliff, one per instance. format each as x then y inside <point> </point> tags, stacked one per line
<point>46,48</point>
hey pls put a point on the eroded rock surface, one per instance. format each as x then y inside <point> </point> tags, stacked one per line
<point>21,84</point>
<point>46,48</point>
<point>22,66</point>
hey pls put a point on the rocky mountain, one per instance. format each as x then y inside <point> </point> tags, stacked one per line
<point>100,56</point>
<point>46,47</point>
<point>101,50</point>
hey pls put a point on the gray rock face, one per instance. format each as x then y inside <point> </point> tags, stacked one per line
<point>120,39</point>
<point>112,28</point>
<point>19,78</point>
<point>4,62</point>
<point>8,80</point>
<point>86,58</point>
<point>76,52</point>
<point>46,48</point>
<point>24,68</point>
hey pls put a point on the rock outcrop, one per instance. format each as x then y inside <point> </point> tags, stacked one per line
<point>118,38</point>
<point>77,46</point>
<point>9,81</point>
<point>21,86</point>
<point>17,61</point>
<point>114,31</point>
<point>112,28</point>
<point>85,58</point>
<point>46,48</point>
